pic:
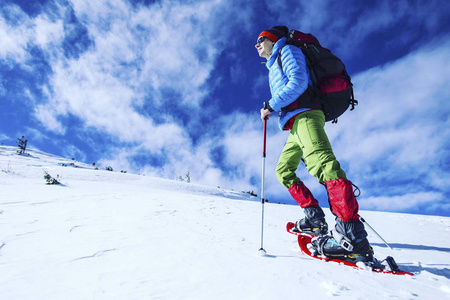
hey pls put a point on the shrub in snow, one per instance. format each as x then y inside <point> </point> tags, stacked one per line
<point>187,177</point>
<point>50,179</point>
<point>251,193</point>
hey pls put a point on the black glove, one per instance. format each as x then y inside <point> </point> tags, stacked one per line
<point>267,106</point>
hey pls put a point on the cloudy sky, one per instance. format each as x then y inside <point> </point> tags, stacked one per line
<point>166,87</point>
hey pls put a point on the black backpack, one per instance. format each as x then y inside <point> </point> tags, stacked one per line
<point>332,89</point>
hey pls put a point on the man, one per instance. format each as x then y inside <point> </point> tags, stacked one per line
<point>309,141</point>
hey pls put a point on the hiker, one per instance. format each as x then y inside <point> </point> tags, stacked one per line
<point>308,141</point>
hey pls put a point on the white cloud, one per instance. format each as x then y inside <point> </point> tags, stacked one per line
<point>161,42</point>
<point>25,31</point>
<point>403,202</point>
<point>14,38</point>
<point>46,32</point>
<point>137,55</point>
<point>47,117</point>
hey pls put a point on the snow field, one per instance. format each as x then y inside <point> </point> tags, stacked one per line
<point>109,235</point>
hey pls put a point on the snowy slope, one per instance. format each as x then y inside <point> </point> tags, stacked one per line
<point>109,235</point>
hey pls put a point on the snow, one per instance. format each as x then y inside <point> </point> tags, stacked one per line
<point>112,235</point>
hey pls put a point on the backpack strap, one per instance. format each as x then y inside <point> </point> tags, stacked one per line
<point>311,97</point>
<point>279,58</point>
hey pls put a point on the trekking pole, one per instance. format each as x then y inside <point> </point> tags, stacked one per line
<point>364,221</point>
<point>261,251</point>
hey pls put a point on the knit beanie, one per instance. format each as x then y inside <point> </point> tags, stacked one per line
<point>275,33</point>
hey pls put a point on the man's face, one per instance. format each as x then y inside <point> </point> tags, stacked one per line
<point>264,47</point>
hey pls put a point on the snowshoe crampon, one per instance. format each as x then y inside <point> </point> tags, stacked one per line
<point>387,266</point>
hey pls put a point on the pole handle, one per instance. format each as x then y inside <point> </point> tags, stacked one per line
<point>264,139</point>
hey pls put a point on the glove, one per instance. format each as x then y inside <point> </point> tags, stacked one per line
<point>267,106</point>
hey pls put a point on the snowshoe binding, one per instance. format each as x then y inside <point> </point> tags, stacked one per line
<point>318,227</point>
<point>328,246</point>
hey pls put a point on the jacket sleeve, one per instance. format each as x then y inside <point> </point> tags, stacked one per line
<point>290,83</point>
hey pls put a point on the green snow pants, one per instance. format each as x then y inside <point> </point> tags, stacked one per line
<point>308,140</point>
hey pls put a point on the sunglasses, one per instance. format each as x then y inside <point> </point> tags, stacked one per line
<point>261,39</point>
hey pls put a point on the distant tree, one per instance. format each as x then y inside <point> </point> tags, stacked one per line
<point>188,175</point>
<point>22,144</point>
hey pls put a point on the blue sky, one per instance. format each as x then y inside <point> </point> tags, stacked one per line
<point>163,87</point>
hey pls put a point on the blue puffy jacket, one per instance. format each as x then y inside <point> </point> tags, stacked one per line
<point>288,84</point>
